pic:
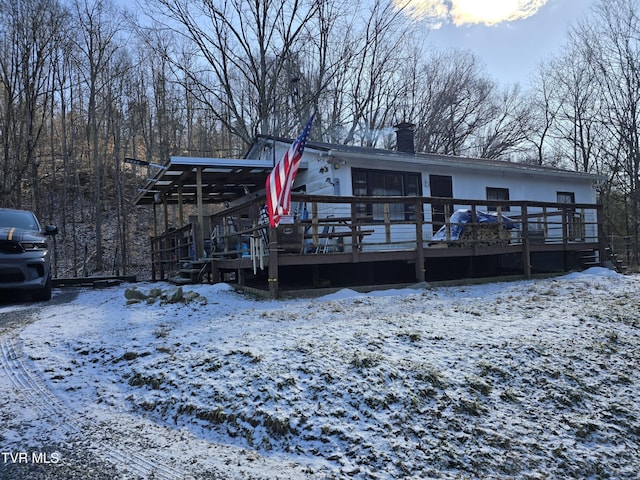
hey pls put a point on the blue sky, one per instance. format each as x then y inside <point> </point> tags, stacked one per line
<point>511,50</point>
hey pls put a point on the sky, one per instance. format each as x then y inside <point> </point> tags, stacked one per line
<point>510,37</point>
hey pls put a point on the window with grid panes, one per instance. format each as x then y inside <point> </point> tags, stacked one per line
<point>386,183</point>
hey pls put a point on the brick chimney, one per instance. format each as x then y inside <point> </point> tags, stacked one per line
<point>404,137</point>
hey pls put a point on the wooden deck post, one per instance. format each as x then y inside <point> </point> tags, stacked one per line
<point>155,220</point>
<point>602,242</point>
<point>420,272</point>
<point>355,245</point>
<point>387,222</point>
<point>273,263</point>
<point>153,262</point>
<point>526,251</point>
<point>314,224</point>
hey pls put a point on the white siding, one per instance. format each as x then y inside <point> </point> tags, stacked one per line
<point>327,175</point>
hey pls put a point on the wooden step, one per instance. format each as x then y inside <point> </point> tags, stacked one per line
<point>180,280</point>
<point>189,271</point>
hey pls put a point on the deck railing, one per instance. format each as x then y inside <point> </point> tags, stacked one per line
<point>330,224</point>
<point>170,250</point>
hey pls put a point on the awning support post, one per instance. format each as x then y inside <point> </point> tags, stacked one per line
<point>199,240</point>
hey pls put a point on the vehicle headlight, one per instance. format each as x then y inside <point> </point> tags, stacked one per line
<point>34,245</point>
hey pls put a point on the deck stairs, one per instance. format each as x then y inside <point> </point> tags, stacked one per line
<point>618,264</point>
<point>589,258</point>
<point>192,272</point>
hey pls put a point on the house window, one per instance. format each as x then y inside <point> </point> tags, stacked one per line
<point>381,183</point>
<point>501,194</point>
<point>566,197</point>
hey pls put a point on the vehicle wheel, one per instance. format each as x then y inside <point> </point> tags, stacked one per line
<point>44,294</point>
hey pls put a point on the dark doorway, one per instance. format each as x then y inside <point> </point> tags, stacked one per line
<point>441,186</point>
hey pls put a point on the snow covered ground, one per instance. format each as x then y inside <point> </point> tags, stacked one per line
<point>531,379</point>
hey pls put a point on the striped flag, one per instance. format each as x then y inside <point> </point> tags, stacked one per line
<point>280,180</point>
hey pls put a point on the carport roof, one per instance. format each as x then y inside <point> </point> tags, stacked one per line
<point>223,179</point>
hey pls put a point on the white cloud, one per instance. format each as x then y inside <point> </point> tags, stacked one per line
<point>462,12</point>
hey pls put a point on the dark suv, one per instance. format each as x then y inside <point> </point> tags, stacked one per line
<point>25,260</point>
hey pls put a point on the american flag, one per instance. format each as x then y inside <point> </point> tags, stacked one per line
<point>280,180</point>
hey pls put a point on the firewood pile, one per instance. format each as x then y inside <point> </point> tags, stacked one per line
<point>486,235</point>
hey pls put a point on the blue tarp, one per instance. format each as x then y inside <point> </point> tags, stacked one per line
<point>462,217</point>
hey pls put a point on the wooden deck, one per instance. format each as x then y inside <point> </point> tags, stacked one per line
<point>343,241</point>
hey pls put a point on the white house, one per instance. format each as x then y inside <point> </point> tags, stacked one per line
<point>406,198</point>
<point>340,170</point>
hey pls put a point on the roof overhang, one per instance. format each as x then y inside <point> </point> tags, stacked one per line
<point>466,163</point>
<point>222,180</point>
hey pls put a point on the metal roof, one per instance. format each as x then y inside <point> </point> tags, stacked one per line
<point>223,179</point>
<point>227,179</point>
<point>424,158</point>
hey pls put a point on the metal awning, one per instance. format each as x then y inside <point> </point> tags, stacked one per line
<point>222,179</point>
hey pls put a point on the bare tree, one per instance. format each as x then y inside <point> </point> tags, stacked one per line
<point>99,26</point>
<point>544,110</point>
<point>509,127</point>
<point>609,44</point>
<point>576,95</point>
<point>377,53</point>
<point>31,31</point>
<point>245,46</point>
<point>454,103</point>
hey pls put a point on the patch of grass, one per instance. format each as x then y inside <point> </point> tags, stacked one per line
<point>364,360</point>
<point>376,402</point>
<point>281,384</point>
<point>162,331</point>
<point>479,385</point>
<point>140,380</point>
<point>130,355</point>
<point>490,369</point>
<point>210,364</point>
<point>277,426</point>
<point>612,337</point>
<point>148,406</point>
<point>624,379</point>
<point>470,407</point>
<point>509,395</point>
<point>431,376</point>
<point>411,336</point>
<point>252,357</point>
<point>568,397</point>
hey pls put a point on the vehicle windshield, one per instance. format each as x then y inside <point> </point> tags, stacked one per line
<point>21,220</point>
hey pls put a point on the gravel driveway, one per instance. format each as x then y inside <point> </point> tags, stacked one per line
<point>68,460</point>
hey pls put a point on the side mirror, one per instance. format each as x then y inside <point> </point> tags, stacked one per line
<point>50,230</point>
